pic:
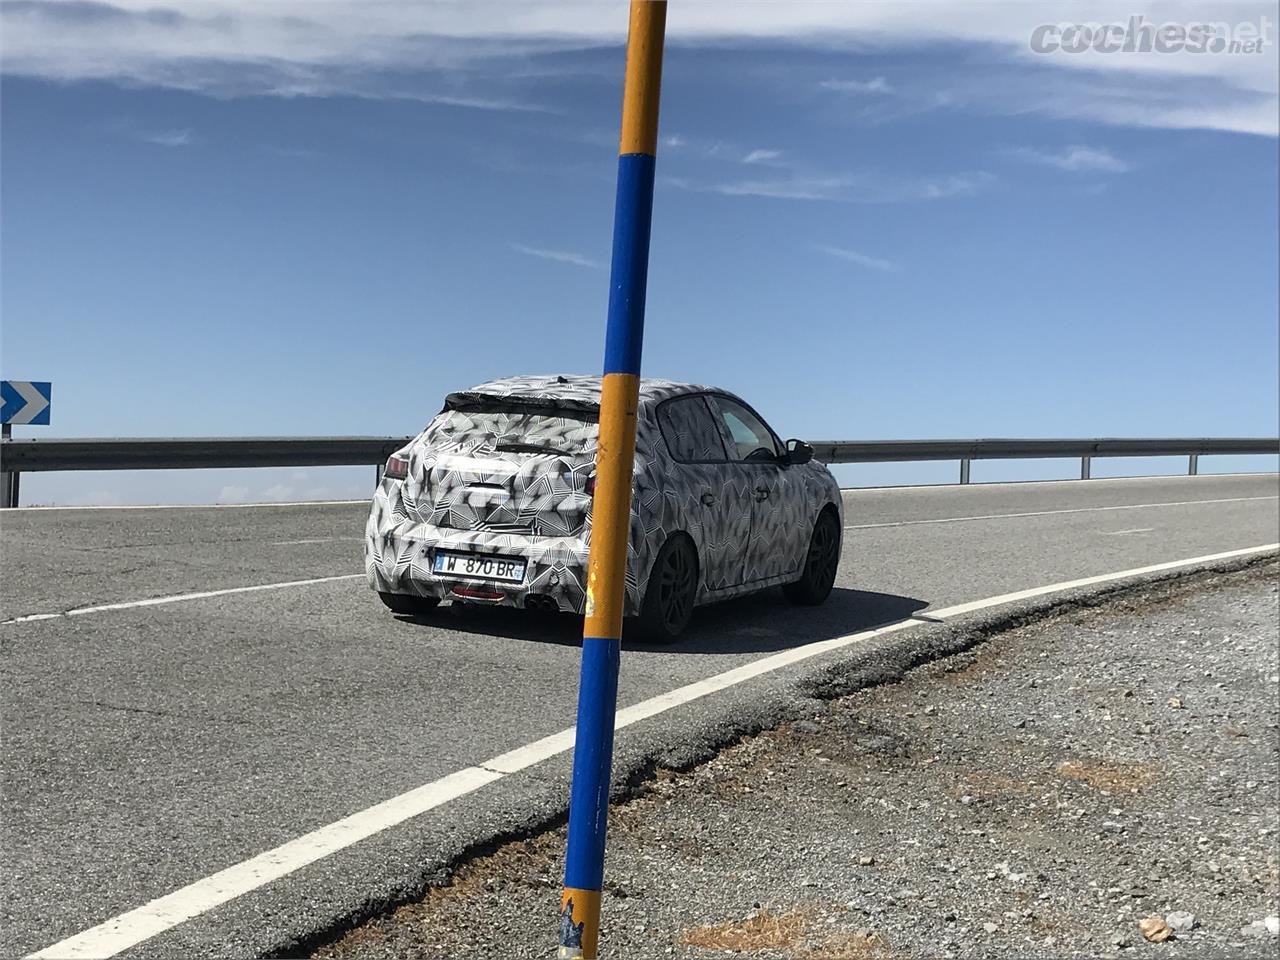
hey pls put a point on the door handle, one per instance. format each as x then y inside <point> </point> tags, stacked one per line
<point>762,493</point>
<point>708,499</point>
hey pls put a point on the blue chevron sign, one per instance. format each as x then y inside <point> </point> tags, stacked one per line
<point>25,401</point>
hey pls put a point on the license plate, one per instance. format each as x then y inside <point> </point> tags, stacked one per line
<point>479,566</point>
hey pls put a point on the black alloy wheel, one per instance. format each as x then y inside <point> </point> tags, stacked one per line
<point>669,597</point>
<point>820,562</point>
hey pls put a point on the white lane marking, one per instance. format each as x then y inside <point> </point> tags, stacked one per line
<point>195,506</point>
<point>166,912</point>
<point>1050,513</point>
<point>142,923</point>
<point>1121,533</point>
<point>1006,598</point>
<point>291,543</point>
<point>179,598</point>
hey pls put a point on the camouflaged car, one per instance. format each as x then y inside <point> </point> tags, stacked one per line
<point>491,504</point>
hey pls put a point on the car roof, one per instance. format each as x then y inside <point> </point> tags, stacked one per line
<point>570,390</point>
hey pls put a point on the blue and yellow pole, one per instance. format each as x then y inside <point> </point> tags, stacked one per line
<point>611,512</point>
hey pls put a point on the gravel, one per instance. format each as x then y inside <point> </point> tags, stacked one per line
<point>1040,795</point>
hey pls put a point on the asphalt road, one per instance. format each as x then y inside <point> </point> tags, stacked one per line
<point>148,747</point>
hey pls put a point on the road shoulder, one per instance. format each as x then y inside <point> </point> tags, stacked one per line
<point>1038,794</point>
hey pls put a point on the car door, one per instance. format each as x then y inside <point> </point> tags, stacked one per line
<point>713,504</point>
<point>759,460</point>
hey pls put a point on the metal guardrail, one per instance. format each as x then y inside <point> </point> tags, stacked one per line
<point>32,456</point>
<point>966,451</point>
<point>188,453</point>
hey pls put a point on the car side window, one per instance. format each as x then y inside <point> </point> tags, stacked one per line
<point>751,439</point>
<point>690,431</point>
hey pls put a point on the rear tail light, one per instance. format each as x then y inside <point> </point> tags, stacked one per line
<point>397,468</point>
<point>471,593</point>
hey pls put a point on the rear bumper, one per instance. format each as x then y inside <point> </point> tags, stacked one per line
<point>399,556</point>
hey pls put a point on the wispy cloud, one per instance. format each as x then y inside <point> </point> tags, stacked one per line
<point>861,259</point>
<point>853,256</point>
<point>724,151</point>
<point>474,55</point>
<point>874,85</point>
<point>1075,159</point>
<point>559,256</point>
<point>792,188</point>
<point>168,138</point>
<point>446,100</point>
<point>845,188</point>
<point>953,185</point>
<point>300,485</point>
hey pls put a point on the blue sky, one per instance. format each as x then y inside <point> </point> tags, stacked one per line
<point>320,219</point>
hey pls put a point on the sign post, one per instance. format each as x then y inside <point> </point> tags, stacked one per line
<point>611,510</point>
<point>21,401</point>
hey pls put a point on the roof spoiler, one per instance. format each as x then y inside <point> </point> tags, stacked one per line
<point>473,400</point>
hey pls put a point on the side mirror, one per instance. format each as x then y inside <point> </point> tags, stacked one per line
<point>798,451</point>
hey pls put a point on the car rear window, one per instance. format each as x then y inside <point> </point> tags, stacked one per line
<point>514,429</point>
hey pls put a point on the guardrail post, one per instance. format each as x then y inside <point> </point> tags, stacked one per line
<point>964,471</point>
<point>1085,463</point>
<point>8,480</point>
<point>1193,464</point>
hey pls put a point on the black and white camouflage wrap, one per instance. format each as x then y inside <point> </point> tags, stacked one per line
<point>749,520</point>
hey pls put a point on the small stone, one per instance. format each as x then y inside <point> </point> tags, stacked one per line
<point>1256,930</point>
<point>990,927</point>
<point>866,860</point>
<point>1175,703</point>
<point>1180,921</point>
<point>1120,940</point>
<point>1111,826</point>
<point>1154,929</point>
<point>1272,923</point>
<point>806,726</point>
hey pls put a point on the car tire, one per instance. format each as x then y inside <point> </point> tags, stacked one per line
<point>670,594</point>
<point>407,603</point>
<point>820,562</point>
